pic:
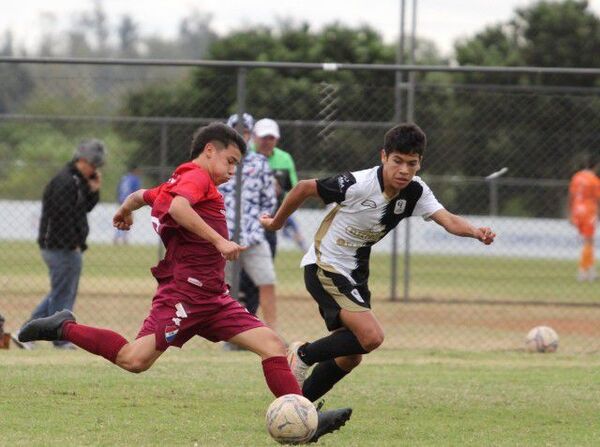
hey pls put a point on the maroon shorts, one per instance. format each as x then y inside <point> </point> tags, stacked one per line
<point>176,317</point>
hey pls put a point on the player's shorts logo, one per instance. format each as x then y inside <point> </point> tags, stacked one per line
<point>171,333</point>
<point>356,294</point>
<point>400,206</point>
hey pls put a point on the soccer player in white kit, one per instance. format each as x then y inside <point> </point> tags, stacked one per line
<point>367,205</point>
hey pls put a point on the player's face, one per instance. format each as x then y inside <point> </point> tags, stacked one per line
<point>399,169</point>
<point>222,163</point>
<point>266,144</point>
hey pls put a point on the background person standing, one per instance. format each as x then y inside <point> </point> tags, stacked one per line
<point>584,195</point>
<point>128,184</point>
<point>266,137</point>
<point>63,230</point>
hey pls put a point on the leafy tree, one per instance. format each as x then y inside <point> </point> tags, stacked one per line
<point>16,81</point>
<point>535,133</point>
<point>290,94</point>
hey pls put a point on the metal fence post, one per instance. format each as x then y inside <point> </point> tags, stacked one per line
<point>162,170</point>
<point>241,108</point>
<point>410,116</point>
<point>397,119</point>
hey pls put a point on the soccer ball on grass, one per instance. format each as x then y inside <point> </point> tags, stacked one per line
<point>542,339</point>
<point>292,419</point>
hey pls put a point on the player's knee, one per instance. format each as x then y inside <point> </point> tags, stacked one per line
<point>372,340</point>
<point>137,367</point>
<point>134,365</point>
<point>273,346</point>
<point>349,362</point>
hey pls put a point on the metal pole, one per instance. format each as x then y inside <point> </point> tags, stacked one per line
<point>397,119</point>
<point>410,112</point>
<point>492,180</point>
<point>410,115</point>
<point>241,108</point>
<point>162,170</point>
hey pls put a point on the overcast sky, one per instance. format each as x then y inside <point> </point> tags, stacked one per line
<point>441,21</point>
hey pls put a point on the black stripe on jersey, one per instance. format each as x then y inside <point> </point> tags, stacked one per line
<point>380,177</point>
<point>333,189</point>
<point>397,209</point>
<point>401,206</point>
<point>361,273</point>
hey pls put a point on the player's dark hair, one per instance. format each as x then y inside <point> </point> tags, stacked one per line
<point>406,138</point>
<point>216,132</point>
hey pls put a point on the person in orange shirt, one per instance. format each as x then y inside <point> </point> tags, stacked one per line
<point>584,196</point>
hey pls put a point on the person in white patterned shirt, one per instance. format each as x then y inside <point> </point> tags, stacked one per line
<point>258,197</point>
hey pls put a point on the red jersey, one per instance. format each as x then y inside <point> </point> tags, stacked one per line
<point>194,262</point>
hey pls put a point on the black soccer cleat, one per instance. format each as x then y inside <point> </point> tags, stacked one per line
<point>330,421</point>
<point>48,328</point>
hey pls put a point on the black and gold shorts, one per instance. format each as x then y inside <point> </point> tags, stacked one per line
<point>333,292</point>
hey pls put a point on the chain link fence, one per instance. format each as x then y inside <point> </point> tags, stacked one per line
<point>430,290</point>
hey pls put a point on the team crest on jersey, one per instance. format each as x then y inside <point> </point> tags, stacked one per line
<point>400,206</point>
<point>171,333</point>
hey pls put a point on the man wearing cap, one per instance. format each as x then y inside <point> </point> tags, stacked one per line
<point>70,195</point>
<point>266,136</point>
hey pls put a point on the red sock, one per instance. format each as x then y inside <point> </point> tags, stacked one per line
<point>102,342</point>
<point>279,377</point>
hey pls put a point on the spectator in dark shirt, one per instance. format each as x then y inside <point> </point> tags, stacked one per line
<point>70,195</point>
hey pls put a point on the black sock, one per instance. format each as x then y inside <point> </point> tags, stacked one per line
<point>338,344</point>
<point>324,376</point>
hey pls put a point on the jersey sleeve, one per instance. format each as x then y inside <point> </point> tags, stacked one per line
<point>427,204</point>
<point>150,195</point>
<point>192,186</point>
<point>334,189</point>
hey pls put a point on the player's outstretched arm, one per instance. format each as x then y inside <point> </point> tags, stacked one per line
<point>123,218</point>
<point>183,213</point>
<point>460,226</point>
<point>296,197</point>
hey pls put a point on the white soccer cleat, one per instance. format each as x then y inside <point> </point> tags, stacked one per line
<point>298,367</point>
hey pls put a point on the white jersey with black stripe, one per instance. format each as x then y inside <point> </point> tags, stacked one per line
<point>361,216</point>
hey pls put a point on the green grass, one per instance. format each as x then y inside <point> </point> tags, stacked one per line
<point>435,277</point>
<point>200,396</point>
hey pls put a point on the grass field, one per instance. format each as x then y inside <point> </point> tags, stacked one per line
<point>199,397</point>
<point>455,302</point>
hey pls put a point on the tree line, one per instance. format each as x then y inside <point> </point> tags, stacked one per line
<point>538,125</point>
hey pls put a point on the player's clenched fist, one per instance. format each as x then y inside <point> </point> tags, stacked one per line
<point>229,249</point>
<point>486,235</point>
<point>123,220</point>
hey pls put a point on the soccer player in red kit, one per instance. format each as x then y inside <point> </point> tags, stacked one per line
<point>191,298</point>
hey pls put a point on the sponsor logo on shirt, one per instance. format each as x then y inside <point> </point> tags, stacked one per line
<point>369,203</point>
<point>372,235</point>
<point>195,281</point>
<point>400,206</point>
<point>344,243</point>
